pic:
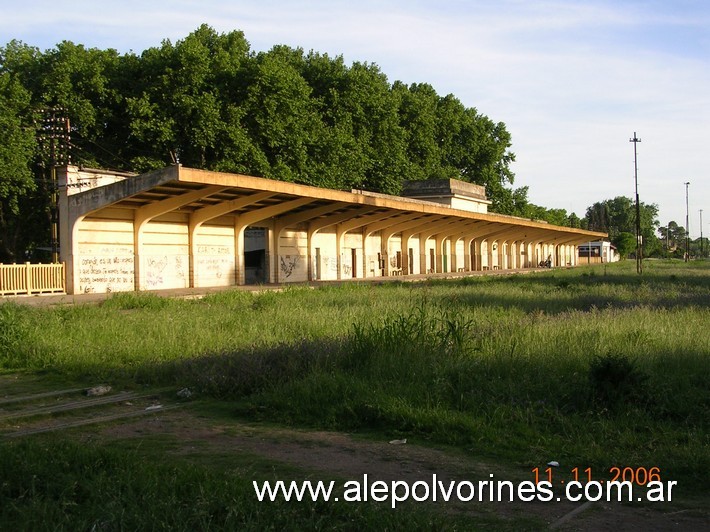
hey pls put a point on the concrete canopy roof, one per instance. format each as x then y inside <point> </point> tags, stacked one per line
<point>206,195</point>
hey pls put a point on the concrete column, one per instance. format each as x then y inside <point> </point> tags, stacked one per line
<point>529,255</point>
<point>272,254</point>
<point>489,254</point>
<point>385,245</point>
<point>467,266</point>
<point>422,254</point>
<point>477,256</point>
<point>405,253</point>
<point>68,237</point>
<point>365,270</point>
<point>309,247</point>
<point>501,256</point>
<point>192,254</point>
<point>438,253</point>
<point>339,252</point>
<point>384,253</point>
<point>240,273</point>
<point>513,255</point>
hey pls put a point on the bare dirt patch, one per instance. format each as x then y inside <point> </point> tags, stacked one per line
<point>335,455</point>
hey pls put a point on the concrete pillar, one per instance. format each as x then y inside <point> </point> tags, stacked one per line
<point>272,254</point>
<point>422,254</point>
<point>455,257</point>
<point>309,255</point>
<point>477,255</point>
<point>239,271</point>
<point>405,253</point>
<point>438,253</point>
<point>365,270</point>
<point>501,256</point>
<point>339,251</point>
<point>467,266</point>
<point>489,255</point>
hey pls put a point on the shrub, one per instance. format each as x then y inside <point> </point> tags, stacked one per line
<point>615,381</point>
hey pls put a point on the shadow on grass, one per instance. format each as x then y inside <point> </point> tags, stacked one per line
<point>423,376</point>
<point>597,288</point>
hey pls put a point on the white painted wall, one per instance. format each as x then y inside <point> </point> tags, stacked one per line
<point>104,258</point>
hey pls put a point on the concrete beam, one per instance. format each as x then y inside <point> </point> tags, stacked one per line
<point>200,216</point>
<point>83,203</point>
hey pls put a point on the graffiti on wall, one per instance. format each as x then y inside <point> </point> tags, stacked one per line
<point>215,269</point>
<point>331,264</point>
<point>155,266</point>
<point>106,273</point>
<point>165,271</point>
<point>289,264</point>
<point>214,250</point>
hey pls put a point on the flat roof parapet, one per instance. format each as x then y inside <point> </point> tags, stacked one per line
<point>443,188</point>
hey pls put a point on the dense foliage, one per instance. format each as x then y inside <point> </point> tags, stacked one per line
<point>617,217</point>
<point>209,101</point>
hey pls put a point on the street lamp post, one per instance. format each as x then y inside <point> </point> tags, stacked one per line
<point>687,224</point>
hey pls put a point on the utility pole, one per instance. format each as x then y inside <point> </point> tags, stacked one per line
<point>54,132</point>
<point>702,254</point>
<point>668,230</point>
<point>687,225</point>
<point>639,257</point>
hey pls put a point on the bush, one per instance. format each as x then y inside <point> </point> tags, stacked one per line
<point>615,381</point>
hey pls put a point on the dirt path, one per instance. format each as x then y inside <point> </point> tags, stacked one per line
<point>333,455</point>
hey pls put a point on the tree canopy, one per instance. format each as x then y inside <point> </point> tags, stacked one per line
<point>617,217</point>
<point>209,101</point>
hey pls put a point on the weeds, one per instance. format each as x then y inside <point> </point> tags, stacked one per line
<point>566,363</point>
<point>617,381</point>
<point>15,335</point>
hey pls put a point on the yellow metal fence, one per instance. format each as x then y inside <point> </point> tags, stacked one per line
<point>29,278</point>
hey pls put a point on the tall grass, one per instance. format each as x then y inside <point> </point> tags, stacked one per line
<point>591,366</point>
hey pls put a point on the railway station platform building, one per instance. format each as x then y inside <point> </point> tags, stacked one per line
<point>186,228</point>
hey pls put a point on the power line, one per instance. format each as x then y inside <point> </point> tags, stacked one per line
<point>109,152</point>
<point>53,134</point>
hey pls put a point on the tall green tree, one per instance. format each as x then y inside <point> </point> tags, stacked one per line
<point>188,104</point>
<point>618,215</point>
<point>208,101</point>
<point>418,111</point>
<point>17,149</point>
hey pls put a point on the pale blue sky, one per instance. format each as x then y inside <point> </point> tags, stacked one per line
<point>571,79</point>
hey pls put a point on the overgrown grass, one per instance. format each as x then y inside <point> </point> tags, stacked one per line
<point>91,488</point>
<point>592,367</point>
